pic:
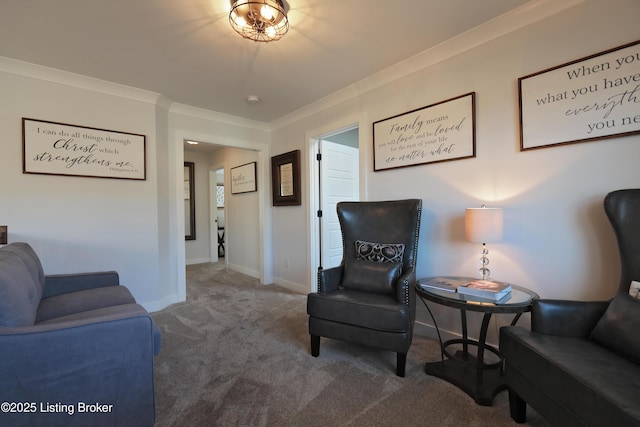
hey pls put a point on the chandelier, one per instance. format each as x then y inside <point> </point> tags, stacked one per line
<point>259,20</point>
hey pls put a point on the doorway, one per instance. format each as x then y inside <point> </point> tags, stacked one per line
<point>336,179</point>
<point>216,214</point>
<point>173,272</point>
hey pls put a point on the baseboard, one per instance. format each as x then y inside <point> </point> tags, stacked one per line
<point>158,305</point>
<point>293,286</point>
<point>197,261</point>
<point>244,270</point>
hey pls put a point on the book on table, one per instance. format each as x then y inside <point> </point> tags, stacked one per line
<point>441,284</point>
<point>487,289</point>
<point>481,300</point>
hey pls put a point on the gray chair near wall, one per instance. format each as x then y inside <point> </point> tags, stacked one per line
<point>370,298</point>
<point>580,363</point>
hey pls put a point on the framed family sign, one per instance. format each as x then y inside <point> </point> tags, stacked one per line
<point>584,100</point>
<point>53,148</point>
<point>436,133</point>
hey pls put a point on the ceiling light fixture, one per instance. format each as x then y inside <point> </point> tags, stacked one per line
<point>259,20</point>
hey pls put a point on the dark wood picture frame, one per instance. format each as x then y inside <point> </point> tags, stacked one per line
<point>285,179</point>
<point>54,148</point>
<point>588,99</point>
<point>439,132</point>
<point>190,201</point>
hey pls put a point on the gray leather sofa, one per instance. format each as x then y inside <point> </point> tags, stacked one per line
<point>76,349</point>
<point>580,363</point>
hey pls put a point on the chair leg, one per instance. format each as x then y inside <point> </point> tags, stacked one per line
<point>401,364</point>
<point>315,345</point>
<point>517,407</point>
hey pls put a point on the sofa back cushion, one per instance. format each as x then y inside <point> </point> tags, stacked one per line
<point>618,328</point>
<point>21,285</point>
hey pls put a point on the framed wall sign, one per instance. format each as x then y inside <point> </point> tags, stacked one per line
<point>285,177</point>
<point>584,100</point>
<point>436,133</point>
<point>53,148</point>
<point>243,179</point>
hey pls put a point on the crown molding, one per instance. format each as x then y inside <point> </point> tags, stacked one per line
<point>53,75</point>
<point>506,23</point>
<point>202,113</point>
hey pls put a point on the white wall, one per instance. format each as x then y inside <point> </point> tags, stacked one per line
<point>78,224</point>
<point>557,239</point>
<point>242,227</point>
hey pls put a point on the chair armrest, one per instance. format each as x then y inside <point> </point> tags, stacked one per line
<point>329,280</point>
<point>566,318</point>
<point>106,359</point>
<point>405,288</point>
<point>57,284</point>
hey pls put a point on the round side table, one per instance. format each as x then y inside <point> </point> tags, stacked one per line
<point>480,380</point>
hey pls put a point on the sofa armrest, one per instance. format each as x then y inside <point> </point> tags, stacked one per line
<point>329,280</point>
<point>106,359</point>
<point>566,318</point>
<point>57,284</point>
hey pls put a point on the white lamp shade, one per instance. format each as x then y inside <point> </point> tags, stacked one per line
<point>483,225</point>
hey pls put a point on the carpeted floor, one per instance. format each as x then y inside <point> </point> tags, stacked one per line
<point>236,353</point>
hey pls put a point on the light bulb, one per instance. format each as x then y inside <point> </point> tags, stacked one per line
<point>270,32</point>
<point>266,12</point>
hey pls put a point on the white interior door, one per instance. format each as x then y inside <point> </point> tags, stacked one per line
<point>338,182</point>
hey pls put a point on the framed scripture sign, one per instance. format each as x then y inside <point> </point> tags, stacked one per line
<point>285,179</point>
<point>436,133</point>
<point>53,148</point>
<point>243,179</point>
<point>584,100</point>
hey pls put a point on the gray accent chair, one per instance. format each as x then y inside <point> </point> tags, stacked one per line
<point>370,298</point>
<point>580,363</point>
<point>76,348</point>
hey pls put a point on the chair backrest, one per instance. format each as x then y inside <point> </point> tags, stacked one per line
<point>386,222</point>
<point>623,209</point>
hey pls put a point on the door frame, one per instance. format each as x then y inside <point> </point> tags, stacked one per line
<point>176,154</point>
<point>314,138</point>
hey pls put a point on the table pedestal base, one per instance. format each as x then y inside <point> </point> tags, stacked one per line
<point>463,374</point>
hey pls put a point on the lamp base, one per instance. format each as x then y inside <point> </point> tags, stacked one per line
<point>484,261</point>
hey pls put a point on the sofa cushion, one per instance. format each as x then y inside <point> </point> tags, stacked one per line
<point>80,301</point>
<point>618,327</point>
<point>379,252</point>
<point>19,292</point>
<point>371,276</point>
<point>105,314</point>
<point>591,381</point>
<point>31,260</point>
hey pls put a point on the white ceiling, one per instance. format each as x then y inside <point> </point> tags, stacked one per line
<point>187,51</point>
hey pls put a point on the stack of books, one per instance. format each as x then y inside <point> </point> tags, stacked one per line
<point>486,289</point>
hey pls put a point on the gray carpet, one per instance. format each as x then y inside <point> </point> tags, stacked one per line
<point>236,353</point>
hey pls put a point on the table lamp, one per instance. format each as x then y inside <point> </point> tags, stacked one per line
<point>483,225</point>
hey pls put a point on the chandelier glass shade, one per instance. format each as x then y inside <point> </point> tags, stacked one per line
<point>259,20</point>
